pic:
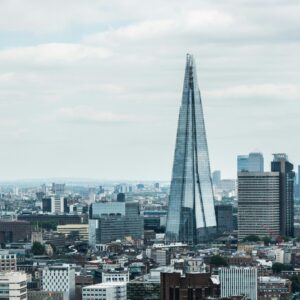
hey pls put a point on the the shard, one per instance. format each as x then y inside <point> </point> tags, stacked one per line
<point>191,213</point>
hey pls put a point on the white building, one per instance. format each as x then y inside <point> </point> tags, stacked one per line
<point>13,285</point>
<point>8,262</point>
<point>105,291</point>
<point>57,204</point>
<point>59,278</point>
<point>115,276</point>
<point>236,281</point>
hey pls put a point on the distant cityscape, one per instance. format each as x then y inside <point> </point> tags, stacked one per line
<point>199,236</point>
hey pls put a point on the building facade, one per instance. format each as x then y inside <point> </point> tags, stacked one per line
<point>237,281</point>
<point>224,215</point>
<point>105,291</point>
<point>191,214</point>
<point>8,262</point>
<point>59,278</point>
<point>13,286</point>
<point>253,162</point>
<point>281,164</point>
<point>258,204</point>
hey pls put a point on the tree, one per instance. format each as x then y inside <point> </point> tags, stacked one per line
<point>38,248</point>
<point>278,267</point>
<point>267,240</point>
<point>251,238</point>
<point>218,261</point>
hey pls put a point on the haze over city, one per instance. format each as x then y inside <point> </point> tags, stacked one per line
<point>92,89</point>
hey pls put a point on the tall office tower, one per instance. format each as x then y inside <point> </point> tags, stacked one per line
<point>281,164</point>
<point>191,213</point>
<point>216,177</point>
<point>236,281</point>
<point>58,188</point>
<point>254,162</point>
<point>258,204</point>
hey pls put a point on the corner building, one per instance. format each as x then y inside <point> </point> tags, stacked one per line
<point>191,214</point>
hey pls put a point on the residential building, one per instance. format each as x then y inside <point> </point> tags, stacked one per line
<point>13,286</point>
<point>8,262</point>
<point>270,288</point>
<point>238,281</point>
<point>258,204</point>
<point>105,291</point>
<point>191,214</point>
<point>59,278</point>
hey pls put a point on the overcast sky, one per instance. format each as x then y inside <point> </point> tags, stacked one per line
<point>92,88</point>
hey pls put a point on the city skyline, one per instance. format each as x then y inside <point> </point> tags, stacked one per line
<point>91,90</point>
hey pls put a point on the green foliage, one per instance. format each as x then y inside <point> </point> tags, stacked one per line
<point>251,238</point>
<point>278,267</point>
<point>267,240</point>
<point>38,248</point>
<point>295,283</point>
<point>218,261</point>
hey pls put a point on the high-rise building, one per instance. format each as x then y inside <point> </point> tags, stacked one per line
<point>224,215</point>
<point>58,189</point>
<point>110,221</point>
<point>281,164</point>
<point>258,204</point>
<point>59,278</point>
<point>216,177</point>
<point>238,281</point>
<point>191,214</point>
<point>13,285</point>
<point>254,162</point>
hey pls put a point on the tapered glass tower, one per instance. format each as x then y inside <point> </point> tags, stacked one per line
<point>191,214</point>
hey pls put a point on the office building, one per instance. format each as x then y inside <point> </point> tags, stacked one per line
<point>258,204</point>
<point>224,215</point>
<point>58,189</point>
<point>281,164</point>
<point>14,231</point>
<point>55,205</point>
<point>238,281</point>
<point>274,288</point>
<point>110,221</point>
<point>188,286</point>
<point>54,219</point>
<point>8,262</point>
<point>81,231</point>
<point>254,162</point>
<point>105,291</point>
<point>216,178</point>
<point>59,278</point>
<point>191,214</point>
<point>115,276</point>
<point>13,286</point>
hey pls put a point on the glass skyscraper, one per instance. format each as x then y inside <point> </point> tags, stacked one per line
<point>191,213</point>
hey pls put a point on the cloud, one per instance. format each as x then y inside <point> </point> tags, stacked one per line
<point>53,53</point>
<point>281,91</point>
<point>85,114</point>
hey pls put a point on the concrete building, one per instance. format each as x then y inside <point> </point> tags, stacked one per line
<point>115,276</point>
<point>161,256</point>
<point>82,230</point>
<point>110,221</point>
<point>258,204</point>
<point>59,278</point>
<point>105,291</point>
<point>13,286</point>
<point>224,215</point>
<point>188,286</point>
<point>281,164</point>
<point>14,231</point>
<point>237,281</point>
<point>270,288</point>
<point>8,262</point>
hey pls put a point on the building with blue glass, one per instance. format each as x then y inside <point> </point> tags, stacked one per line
<point>191,213</point>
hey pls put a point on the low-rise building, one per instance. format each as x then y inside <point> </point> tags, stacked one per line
<point>105,291</point>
